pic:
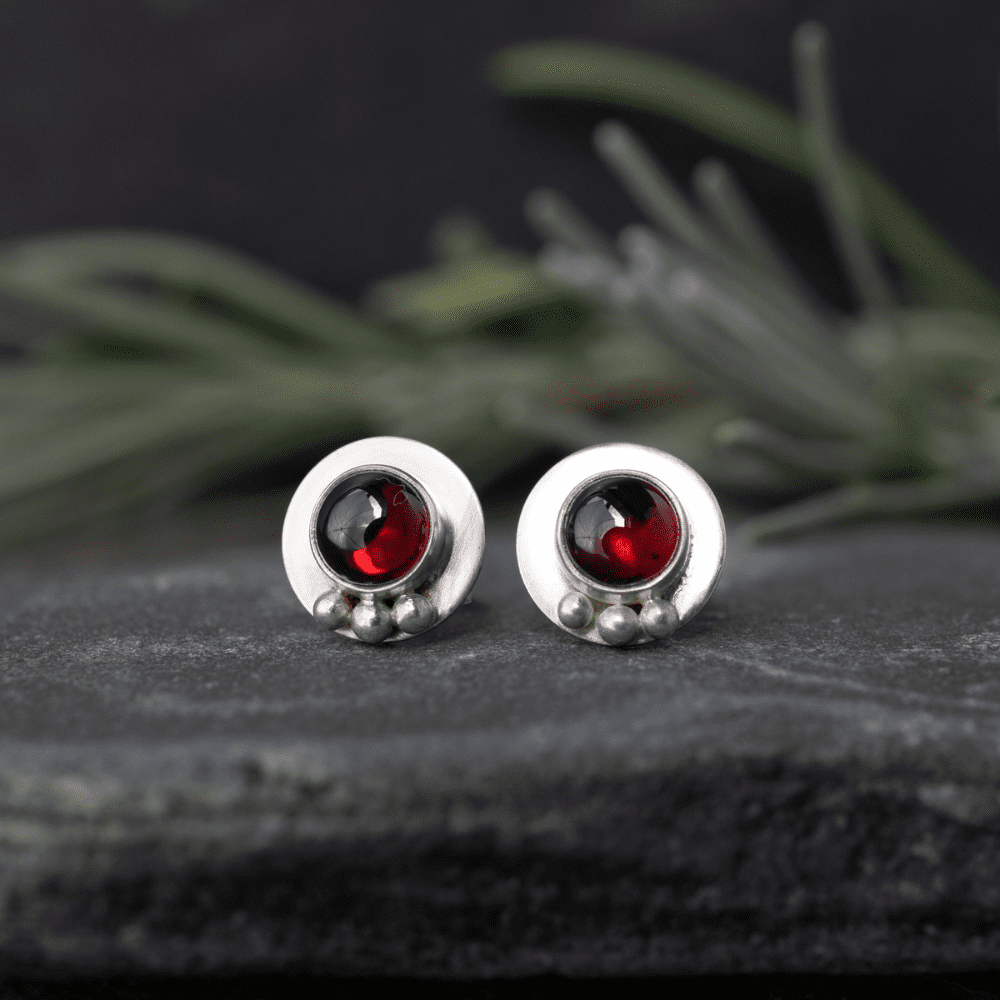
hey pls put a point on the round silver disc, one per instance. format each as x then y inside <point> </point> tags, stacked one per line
<point>445,572</point>
<point>551,574</point>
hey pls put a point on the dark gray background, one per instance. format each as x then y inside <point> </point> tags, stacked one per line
<point>326,136</point>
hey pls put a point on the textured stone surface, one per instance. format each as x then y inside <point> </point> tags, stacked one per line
<point>193,778</point>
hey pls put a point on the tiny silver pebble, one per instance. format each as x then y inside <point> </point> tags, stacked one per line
<point>371,622</point>
<point>659,618</point>
<point>330,609</point>
<point>575,610</point>
<point>413,613</point>
<point>618,625</point>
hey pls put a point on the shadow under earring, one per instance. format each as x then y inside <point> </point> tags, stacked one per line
<point>621,544</point>
<point>383,539</point>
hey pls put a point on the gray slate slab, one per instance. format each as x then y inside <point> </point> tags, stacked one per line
<point>194,779</point>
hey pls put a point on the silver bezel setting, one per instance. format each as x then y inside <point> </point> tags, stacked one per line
<point>604,592</point>
<point>448,568</point>
<point>549,572</point>
<point>435,553</point>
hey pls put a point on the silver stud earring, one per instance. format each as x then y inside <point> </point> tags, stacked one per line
<point>383,539</point>
<point>620,544</point>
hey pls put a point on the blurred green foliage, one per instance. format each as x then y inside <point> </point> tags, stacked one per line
<point>894,407</point>
<point>174,363</point>
<point>722,110</point>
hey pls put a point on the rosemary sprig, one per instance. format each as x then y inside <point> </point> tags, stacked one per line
<point>878,402</point>
<point>723,110</point>
<point>178,362</point>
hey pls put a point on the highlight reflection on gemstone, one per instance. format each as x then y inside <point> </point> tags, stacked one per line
<point>374,532</point>
<point>624,532</point>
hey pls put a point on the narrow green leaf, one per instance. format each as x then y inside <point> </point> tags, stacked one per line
<point>612,75</point>
<point>48,265</point>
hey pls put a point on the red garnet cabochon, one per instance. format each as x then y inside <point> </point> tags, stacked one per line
<point>375,532</point>
<point>624,532</point>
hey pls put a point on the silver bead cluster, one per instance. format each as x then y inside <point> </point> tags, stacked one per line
<point>371,620</point>
<point>618,624</point>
